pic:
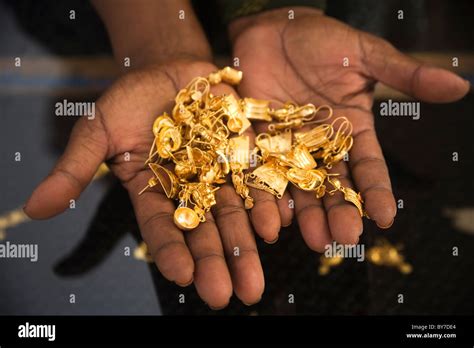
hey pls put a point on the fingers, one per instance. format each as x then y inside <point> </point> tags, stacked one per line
<point>86,150</point>
<point>286,206</point>
<point>344,220</point>
<point>211,276</point>
<point>321,222</point>
<point>265,215</point>
<point>388,65</point>
<point>370,174</point>
<point>311,218</point>
<point>195,256</point>
<point>166,244</point>
<point>239,245</point>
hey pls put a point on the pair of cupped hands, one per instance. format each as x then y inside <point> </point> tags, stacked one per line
<point>299,60</point>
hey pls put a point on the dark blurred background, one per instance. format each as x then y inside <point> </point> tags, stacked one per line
<point>83,252</point>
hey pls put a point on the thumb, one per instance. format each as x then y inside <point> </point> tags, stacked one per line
<point>395,69</point>
<point>86,150</point>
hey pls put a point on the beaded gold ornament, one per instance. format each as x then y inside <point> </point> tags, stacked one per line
<point>203,141</point>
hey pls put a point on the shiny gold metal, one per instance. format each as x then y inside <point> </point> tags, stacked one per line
<point>163,121</point>
<point>241,188</point>
<point>385,254</point>
<point>307,180</point>
<point>268,177</point>
<point>256,109</point>
<point>141,253</point>
<point>294,116</point>
<point>102,171</point>
<point>349,195</point>
<point>237,122</point>
<point>215,78</point>
<point>239,159</point>
<point>163,176</point>
<point>326,263</point>
<point>203,139</point>
<point>382,254</point>
<point>186,218</point>
<point>231,76</point>
<point>292,111</point>
<point>238,151</point>
<point>277,143</point>
<point>315,138</point>
<point>339,145</point>
<point>11,219</point>
<point>298,157</point>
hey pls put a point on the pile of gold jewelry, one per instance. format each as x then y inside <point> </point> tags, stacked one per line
<point>204,140</point>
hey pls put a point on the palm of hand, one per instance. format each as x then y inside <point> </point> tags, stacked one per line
<point>121,134</point>
<point>316,59</point>
<point>304,61</point>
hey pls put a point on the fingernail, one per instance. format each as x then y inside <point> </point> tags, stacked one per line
<point>385,227</point>
<point>271,241</point>
<point>217,308</point>
<point>286,225</point>
<point>24,211</point>
<point>251,304</point>
<point>187,284</point>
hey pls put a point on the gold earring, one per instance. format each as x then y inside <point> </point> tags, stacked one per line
<point>198,139</point>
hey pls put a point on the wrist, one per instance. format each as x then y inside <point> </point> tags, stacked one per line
<point>232,9</point>
<point>153,52</point>
<point>269,18</point>
<point>145,32</point>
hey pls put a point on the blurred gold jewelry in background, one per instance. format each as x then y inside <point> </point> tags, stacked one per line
<point>11,219</point>
<point>385,254</point>
<point>381,254</point>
